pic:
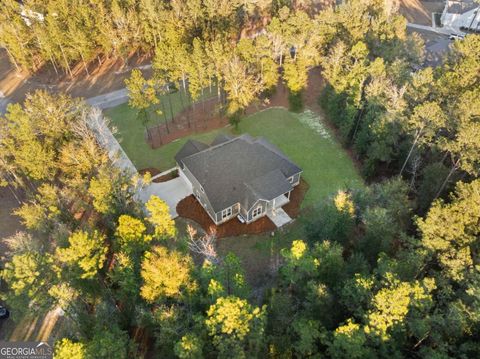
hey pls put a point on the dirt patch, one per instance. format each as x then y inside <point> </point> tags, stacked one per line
<point>190,208</point>
<point>155,171</point>
<point>420,12</point>
<point>207,116</point>
<point>168,177</point>
<point>105,75</point>
<point>203,117</point>
<point>293,208</point>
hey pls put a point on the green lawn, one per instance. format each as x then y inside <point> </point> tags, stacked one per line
<point>131,132</point>
<point>326,166</point>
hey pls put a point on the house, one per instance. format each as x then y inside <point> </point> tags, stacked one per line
<point>461,16</point>
<point>239,177</point>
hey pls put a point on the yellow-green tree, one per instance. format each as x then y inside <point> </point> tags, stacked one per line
<point>236,328</point>
<point>166,274</point>
<point>131,232</point>
<point>451,231</point>
<point>159,216</point>
<point>86,252</point>
<point>67,349</point>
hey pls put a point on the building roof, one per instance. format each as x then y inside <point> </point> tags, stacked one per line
<point>221,138</point>
<point>460,6</point>
<point>239,170</point>
<point>189,148</point>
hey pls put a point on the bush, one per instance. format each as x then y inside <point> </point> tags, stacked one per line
<point>235,119</point>
<point>295,101</point>
<point>327,223</point>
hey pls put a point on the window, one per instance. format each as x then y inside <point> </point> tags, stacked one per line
<point>290,179</point>
<point>201,189</point>
<point>227,213</point>
<point>257,211</point>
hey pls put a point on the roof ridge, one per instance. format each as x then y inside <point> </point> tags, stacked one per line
<point>216,146</point>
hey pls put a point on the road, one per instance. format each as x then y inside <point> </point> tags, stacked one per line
<point>104,101</point>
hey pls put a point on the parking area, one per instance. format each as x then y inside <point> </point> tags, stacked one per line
<point>171,192</point>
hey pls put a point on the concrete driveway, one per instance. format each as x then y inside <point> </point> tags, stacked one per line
<point>171,192</point>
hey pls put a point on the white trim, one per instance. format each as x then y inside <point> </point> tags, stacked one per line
<point>226,213</point>
<point>258,213</point>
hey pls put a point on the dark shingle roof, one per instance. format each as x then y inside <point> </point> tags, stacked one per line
<point>221,138</point>
<point>189,148</point>
<point>240,170</point>
<point>267,187</point>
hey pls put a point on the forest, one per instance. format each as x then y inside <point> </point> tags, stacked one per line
<point>390,270</point>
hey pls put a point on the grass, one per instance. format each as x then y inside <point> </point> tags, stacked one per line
<point>326,165</point>
<point>131,132</point>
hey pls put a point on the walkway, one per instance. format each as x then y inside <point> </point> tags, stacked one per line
<point>171,192</point>
<point>279,217</point>
<point>98,124</point>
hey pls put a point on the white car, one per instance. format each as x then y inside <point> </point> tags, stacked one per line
<point>456,37</point>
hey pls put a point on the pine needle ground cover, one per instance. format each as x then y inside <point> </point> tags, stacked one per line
<point>303,137</point>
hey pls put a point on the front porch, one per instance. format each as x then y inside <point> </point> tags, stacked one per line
<point>279,217</point>
<point>280,201</point>
<point>275,212</point>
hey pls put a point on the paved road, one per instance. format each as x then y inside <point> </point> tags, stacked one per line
<point>109,100</point>
<point>437,43</point>
<point>104,101</point>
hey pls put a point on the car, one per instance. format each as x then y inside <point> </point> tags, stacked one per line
<point>456,37</point>
<point>4,313</point>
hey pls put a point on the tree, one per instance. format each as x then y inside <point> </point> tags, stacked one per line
<point>159,216</point>
<point>225,278</point>
<point>427,120</point>
<point>131,233</point>
<point>86,253</point>
<point>166,274</point>
<point>67,349</point>
<point>236,327</point>
<point>107,340</point>
<point>349,340</point>
<point>332,221</point>
<point>142,95</point>
<point>190,347</point>
<point>44,212</point>
<point>241,85</point>
<point>28,276</point>
<point>394,301</point>
<point>450,231</point>
<point>101,189</point>
<point>199,75</point>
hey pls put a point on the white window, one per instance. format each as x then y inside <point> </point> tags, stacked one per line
<point>290,179</point>
<point>257,211</point>
<point>201,189</point>
<point>227,213</point>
